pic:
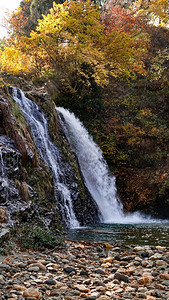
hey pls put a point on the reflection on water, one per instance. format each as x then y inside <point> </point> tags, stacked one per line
<point>137,234</point>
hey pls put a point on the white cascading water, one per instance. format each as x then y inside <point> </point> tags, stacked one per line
<point>48,152</point>
<point>99,181</point>
<point>3,176</point>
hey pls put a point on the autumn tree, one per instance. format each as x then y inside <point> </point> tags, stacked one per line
<point>25,18</point>
<point>130,33</point>
<point>71,40</point>
<point>18,22</point>
<point>155,11</point>
<point>14,61</point>
<point>39,7</point>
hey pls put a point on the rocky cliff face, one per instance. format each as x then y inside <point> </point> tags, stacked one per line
<point>20,194</point>
<point>26,185</point>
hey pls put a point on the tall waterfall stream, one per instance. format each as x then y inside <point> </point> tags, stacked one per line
<point>97,177</point>
<point>3,175</point>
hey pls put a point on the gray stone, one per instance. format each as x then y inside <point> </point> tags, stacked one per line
<point>84,273</point>
<point>98,283</point>
<point>22,265</point>
<point>69,270</point>
<point>33,269</point>
<point>127,295</point>
<point>50,281</point>
<point>141,295</point>
<point>137,263</point>
<point>4,267</point>
<point>99,271</point>
<point>121,277</point>
<point>165,282</point>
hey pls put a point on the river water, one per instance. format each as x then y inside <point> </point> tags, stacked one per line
<point>152,234</point>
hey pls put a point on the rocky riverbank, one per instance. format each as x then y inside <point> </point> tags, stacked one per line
<point>86,271</point>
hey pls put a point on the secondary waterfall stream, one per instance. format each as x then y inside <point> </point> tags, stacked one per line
<point>48,152</point>
<point>3,176</point>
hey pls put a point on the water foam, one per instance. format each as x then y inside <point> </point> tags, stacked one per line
<point>98,179</point>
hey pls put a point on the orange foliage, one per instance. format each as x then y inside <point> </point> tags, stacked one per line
<point>116,17</point>
<point>121,22</point>
<point>17,21</point>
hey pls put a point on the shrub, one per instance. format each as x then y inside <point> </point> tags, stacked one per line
<point>35,237</point>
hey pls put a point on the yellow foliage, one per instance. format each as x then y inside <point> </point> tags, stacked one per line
<point>14,61</point>
<point>131,130</point>
<point>70,36</point>
<point>55,21</point>
<point>154,131</point>
<point>146,112</point>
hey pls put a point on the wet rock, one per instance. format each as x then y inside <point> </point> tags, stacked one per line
<point>137,263</point>
<point>22,265</point>
<point>141,295</point>
<point>98,283</point>
<point>144,254</point>
<point>69,270</point>
<point>121,277</point>
<point>84,273</point>
<point>99,271</point>
<point>10,128</point>
<point>4,267</point>
<point>33,269</point>
<point>166,282</point>
<point>50,281</point>
<point>3,215</point>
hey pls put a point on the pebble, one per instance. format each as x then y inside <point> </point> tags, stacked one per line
<point>33,269</point>
<point>69,270</point>
<point>86,271</point>
<point>31,293</point>
<point>50,281</point>
<point>121,277</point>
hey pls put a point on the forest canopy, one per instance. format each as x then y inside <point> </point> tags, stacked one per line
<point>74,34</point>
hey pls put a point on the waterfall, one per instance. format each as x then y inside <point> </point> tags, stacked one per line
<point>49,153</point>
<point>3,176</point>
<point>98,179</point>
<point>2,164</point>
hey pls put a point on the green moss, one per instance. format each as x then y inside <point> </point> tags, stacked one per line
<point>57,137</point>
<point>74,164</point>
<point>37,238</point>
<point>17,114</point>
<point>33,172</point>
<point>31,236</point>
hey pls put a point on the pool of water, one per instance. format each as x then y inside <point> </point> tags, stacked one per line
<point>152,234</point>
